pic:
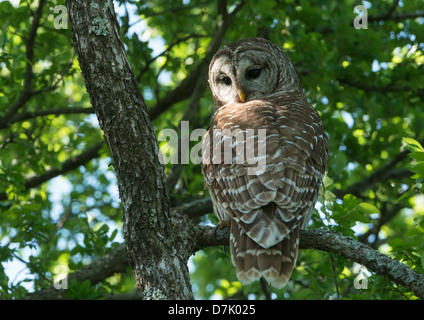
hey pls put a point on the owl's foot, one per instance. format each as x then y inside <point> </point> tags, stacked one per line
<point>222,224</point>
<point>219,226</point>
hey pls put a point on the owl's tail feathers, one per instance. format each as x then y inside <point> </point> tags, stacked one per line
<point>252,261</point>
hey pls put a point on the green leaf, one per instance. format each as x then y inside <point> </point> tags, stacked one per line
<point>406,194</point>
<point>306,293</point>
<point>349,202</point>
<point>419,168</point>
<point>327,182</point>
<point>329,196</point>
<point>417,156</point>
<point>368,208</point>
<point>413,145</point>
<point>113,235</point>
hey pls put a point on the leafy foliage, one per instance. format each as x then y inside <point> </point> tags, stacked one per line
<point>365,83</point>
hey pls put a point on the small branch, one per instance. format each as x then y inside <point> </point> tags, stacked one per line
<point>192,109</point>
<point>381,174</point>
<point>397,16</point>
<point>195,208</point>
<point>68,165</point>
<point>100,269</point>
<point>135,295</point>
<point>185,89</point>
<point>387,213</point>
<point>174,10</point>
<point>393,8</point>
<point>42,113</point>
<point>222,8</point>
<point>265,288</point>
<point>387,15</point>
<point>237,8</point>
<point>26,93</point>
<point>391,87</point>
<point>181,92</point>
<point>333,266</point>
<point>151,60</point>
<point>30,42</point>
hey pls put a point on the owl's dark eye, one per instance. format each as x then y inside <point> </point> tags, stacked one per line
<point>253,73</point>
<point>226,80</point>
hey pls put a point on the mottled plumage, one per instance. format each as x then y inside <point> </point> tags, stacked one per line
<point>264,205</point>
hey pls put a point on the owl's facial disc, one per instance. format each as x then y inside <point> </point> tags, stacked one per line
<point>243,77</point>
<point>222,80</point>
<point>256,74</point>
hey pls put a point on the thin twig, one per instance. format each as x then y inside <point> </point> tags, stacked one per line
<point>333,266</point>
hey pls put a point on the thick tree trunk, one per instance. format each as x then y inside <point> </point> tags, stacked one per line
<point>155,253</point>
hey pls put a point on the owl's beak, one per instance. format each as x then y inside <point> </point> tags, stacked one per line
<point>242,95</point>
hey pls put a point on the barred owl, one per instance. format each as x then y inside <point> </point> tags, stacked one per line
<point>259,105</point>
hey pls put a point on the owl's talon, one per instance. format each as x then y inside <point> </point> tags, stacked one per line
<point>216,228</point>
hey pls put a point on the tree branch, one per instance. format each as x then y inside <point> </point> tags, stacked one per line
<point>345,247</point>
<point>68,165</point>
<point>42,113</point>
<point>192,108</point>
<point>397,16</point>
<point>388,14</point>
<point>206,236</point>
<point>381,174</point>
<point>386,214</point>
<point>391,87</point>
<point>185,89</point>
<point>27,92</point>
<point>169,48</point>
<point>393,7</point>
<point>98,270</point>
<point>372,259</point>
<point>195,208</point>
<point>181,92</point>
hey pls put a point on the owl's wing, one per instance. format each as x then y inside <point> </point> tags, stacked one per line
<point>267,207</point>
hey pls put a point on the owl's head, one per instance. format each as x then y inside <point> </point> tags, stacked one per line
<point>250,69</point>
